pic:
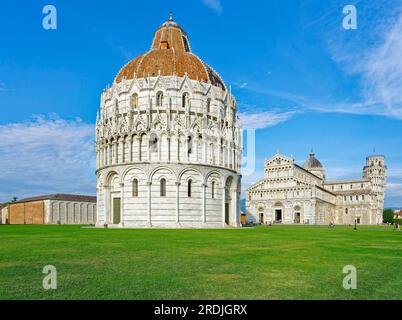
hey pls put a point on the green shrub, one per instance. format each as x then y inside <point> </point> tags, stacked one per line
<point>397,221</point>
<point>388,216</point>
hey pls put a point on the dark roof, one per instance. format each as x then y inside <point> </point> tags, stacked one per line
<point>328,183</point>
<point>61,197</point>
<point>312,162</point>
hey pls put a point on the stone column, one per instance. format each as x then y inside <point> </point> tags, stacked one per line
<point>149,202</point>
<point>168,148</point>
<point>204,203</point>
<point>130,149</point>
<point>223,205</point>
<point>177,202</point>
<point>107,205</point>
<point>236,208</point>
<point>122,204</point>
<point>116,155</point>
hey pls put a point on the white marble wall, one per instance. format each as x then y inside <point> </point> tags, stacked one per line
<point>69,212</point>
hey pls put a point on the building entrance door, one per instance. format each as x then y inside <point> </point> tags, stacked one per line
<point>116,210</point>
<point>278,215</point>
<point>297,217</point>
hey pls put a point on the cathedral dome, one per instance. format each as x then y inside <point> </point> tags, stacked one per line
<point>312,162</point>
<point>170,54</point>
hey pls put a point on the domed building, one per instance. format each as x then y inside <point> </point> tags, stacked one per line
<point>293,194</point>
<point>314,166</point>
<point>168,141</point>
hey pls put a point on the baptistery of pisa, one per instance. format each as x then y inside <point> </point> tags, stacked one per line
<point>168,141</point>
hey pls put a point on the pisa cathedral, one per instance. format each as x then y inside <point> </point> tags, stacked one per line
<point>168,141</point>
<point>293,194</point>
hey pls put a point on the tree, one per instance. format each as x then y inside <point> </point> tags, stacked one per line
<point>388,216</point>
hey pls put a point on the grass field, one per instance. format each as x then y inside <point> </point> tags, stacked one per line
<point>280,262</point>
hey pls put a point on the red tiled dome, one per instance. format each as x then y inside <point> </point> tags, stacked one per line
<point>170,54</point>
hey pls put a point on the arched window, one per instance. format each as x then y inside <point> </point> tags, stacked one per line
<point>134,101</point>
<point>213,190</point>
<point>346,210</point>
<point>135,188</point>
<point>159,99</point>
<point>184,100</point>
<point>189,183</point>
<point>163,187</point>
<point>208,105</point>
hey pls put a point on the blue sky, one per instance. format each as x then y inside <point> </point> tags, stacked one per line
<point>299,77</point>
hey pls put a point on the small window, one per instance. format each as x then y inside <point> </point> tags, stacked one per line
<point>357,197</point>
<point>189,144</point>
<point>346,210</point>
<point>363,197</point>
<point>159,99</point>
<point>213,190</point>
<point>135,188</point>
<point>153,143</point>
<point>208,105</point>
<point>189,183</point>
<point>163,187</point>
<point>351,186</point>
<point>184,100</point>
<point>134,101</point>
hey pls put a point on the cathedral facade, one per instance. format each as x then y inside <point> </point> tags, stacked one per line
<point>168,141</point>
<point>293,194</point>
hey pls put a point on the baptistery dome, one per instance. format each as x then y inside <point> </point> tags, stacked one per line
<point>170,55</point>
<point>168,141</point>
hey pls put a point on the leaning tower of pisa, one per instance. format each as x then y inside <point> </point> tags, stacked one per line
<point>376,171</point>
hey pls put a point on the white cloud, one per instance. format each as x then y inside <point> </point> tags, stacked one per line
<point>46,155</point>
<point>394,190</point>
<point>264,119</point>
<point>382,70</point>
<point>372,53</point>
<point>3,86</point>
<point>214,5</point>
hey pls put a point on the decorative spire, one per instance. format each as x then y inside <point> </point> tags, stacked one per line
<point>312,154</point>
<point>171,16</point>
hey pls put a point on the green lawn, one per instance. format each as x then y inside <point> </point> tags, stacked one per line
<point>280,262</point>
